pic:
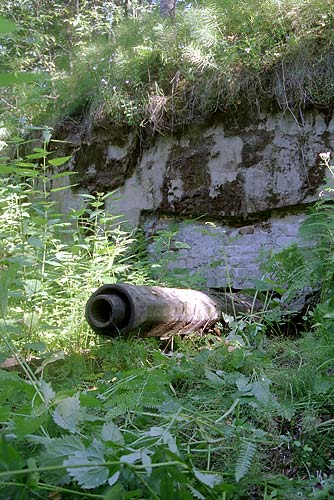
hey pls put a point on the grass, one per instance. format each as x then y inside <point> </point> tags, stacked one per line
<point>244,414</point>
<point>216,405</point>
<point>161,75</point>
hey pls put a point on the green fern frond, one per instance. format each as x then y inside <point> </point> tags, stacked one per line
<point>123,402</point>
<point>152,405</point>
<point>244,461</point>
<point>145,389</point>
<point>197,57</point>
<point>203,25</point>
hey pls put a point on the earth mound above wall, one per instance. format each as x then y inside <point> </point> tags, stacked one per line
<point>252,181</point>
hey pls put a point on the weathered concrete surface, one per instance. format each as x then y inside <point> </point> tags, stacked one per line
<point>220,255</point>
<point>219,170</point>
<point>223,172</point>
<point>230,172</point>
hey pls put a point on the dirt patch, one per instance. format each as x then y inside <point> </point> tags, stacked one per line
<point>230,199</point>
<point>186,186</point>
<point>187,180</point>
<point>97,172</point>
<point>88,146</point>
<point>253,146</point>
<point>316,175</point>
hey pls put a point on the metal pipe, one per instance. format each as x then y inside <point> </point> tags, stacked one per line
<point>121,308</point>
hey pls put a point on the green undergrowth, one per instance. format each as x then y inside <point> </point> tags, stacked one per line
<point>129,420</point>
<point>137,69</point>
<point>242,411</point>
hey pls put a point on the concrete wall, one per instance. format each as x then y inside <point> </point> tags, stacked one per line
<point>248,182</point>
<point>220,255</point>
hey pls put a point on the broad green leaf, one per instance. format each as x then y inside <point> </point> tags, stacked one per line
<point>32,286</point>
<point>94,474</point>
<point>237,358</point>
<point>36,156</point>
<point>131,458</point>
<point>47,391</point>
<point>146,461</point>
<point>213,377</point>
<point>42,150</point>
<point>170,441</point>
<point>55,190</point>
<point>21,261</point>
<point>24,425</point>
<point>166,438</point>
<point>36,346</point>
<point>6,26</point>
<point>24,164</point>
<point>14,381</point>
<point>208,478</point>
<point>195,493</point>
<point>12,169</point>
<point>261,390</point>
<point>110,432</point>
<point>114,478</point>
<point>242,384</point>
<point>59,448</point>
<point>35,242</point>
<point>10,458</point>
<point>47,134</point>
<point>117,492</point>
<point>107,195</point>
<point>61,174</point>
<point>57,162</point>
<point>5,413</point>
<point>89,400</point>
<point>68,413</point>
<point>167,485</point>
<point>155,431</point>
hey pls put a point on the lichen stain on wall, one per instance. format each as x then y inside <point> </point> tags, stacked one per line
<point>237,174</point>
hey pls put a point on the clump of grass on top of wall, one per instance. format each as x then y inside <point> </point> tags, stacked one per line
<point>166,73</point>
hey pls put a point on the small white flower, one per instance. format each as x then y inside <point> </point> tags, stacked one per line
<point>325,156</point>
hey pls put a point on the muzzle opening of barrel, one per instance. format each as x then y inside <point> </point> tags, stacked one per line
<point>100,312</point>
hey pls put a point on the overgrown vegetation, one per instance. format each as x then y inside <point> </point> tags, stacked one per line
<point>237,413</point>
<point>245,414</point>
<point>127,65</point>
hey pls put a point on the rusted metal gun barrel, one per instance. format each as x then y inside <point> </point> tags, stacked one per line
<point>151,310</point>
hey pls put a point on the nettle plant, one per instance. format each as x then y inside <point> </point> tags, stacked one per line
<point>308,266</point>
<point>78,446</point>
<point>46,256</point>
<point>172,428</point>
<point>319,227</point>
